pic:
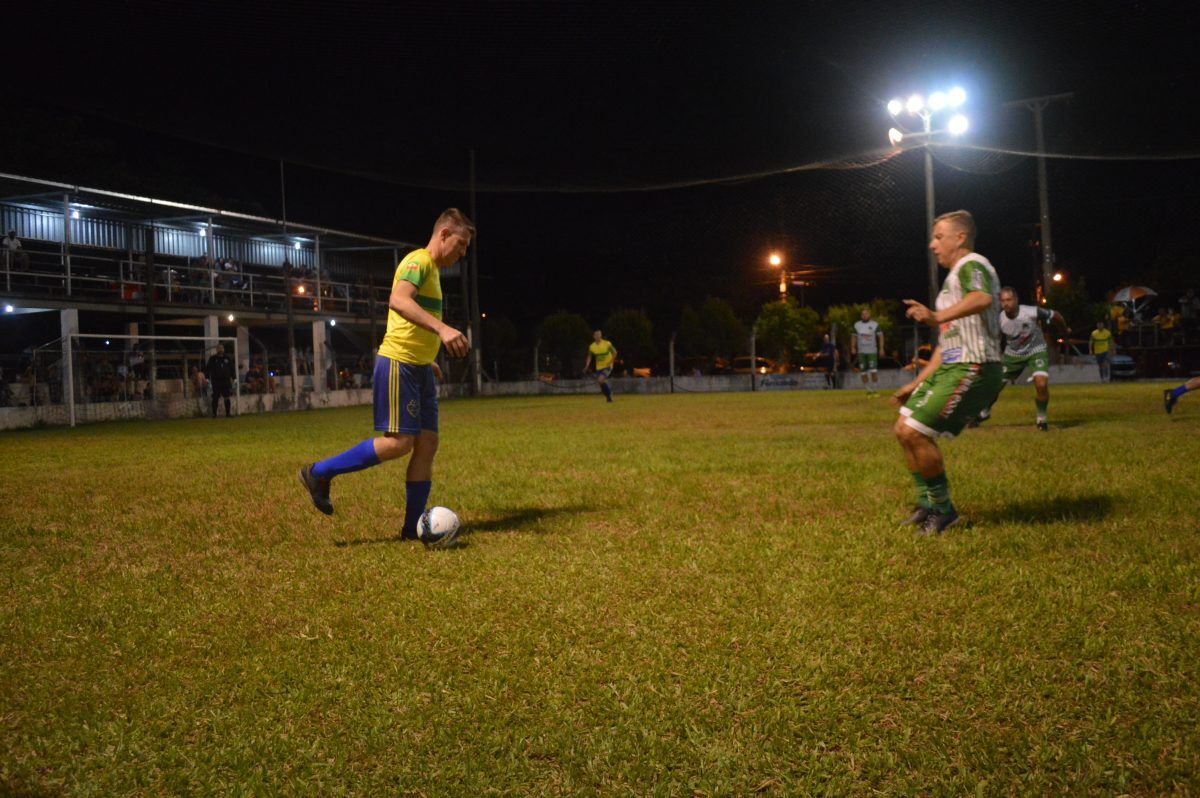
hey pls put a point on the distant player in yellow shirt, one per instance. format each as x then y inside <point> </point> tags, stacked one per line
<point>605,354</point>
<point>1100,343</point>
<point>406,376</point>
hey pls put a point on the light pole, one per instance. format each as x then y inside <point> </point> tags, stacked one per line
<point>925,109</point>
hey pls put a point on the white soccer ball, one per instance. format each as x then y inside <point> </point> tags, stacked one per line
<point>438,527</point>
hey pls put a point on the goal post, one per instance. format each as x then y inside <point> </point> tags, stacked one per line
<point>104,374</point>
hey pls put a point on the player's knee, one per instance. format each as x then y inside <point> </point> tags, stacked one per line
<point>389,447</point>
<point>426,444</point>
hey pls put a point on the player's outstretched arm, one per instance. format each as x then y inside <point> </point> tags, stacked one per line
<point>974,302</point>
<point>403,300</point>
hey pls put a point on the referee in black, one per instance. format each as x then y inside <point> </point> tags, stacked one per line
<point>219,371</point>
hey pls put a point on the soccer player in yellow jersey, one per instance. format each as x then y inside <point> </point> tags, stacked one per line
<point>605,354</point>
<point>406,376</point>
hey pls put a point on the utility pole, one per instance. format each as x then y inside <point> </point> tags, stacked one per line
<point>1037,105</point>
<point>477,338</point>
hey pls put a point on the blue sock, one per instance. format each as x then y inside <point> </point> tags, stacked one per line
<point>355,459</point>
<point>1180,391</point>
<point>607,390</point>
<point>416,496</point>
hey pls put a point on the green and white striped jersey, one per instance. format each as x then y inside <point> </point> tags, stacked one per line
<point>973,339</point>
<point>1022,335</point>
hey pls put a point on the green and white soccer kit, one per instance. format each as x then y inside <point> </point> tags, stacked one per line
<point>970,376</point>
<point>866,335</point>
<point>1025,346</point>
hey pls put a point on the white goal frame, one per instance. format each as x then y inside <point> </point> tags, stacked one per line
<point>206,341</point>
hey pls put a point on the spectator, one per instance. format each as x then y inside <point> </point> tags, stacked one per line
<point>15,256</point>
<point>199,381</point>
<point>1189,312</point>
<point>220,373</point>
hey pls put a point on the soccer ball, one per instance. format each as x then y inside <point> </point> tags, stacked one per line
<point>438,527</point>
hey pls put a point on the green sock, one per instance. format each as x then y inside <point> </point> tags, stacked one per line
<point>922,490</point>
<point>939,492</point>
<point>1041,408</point>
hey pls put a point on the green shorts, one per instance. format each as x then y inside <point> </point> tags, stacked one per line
<point>1014,365</point>
<point>868,362</point>
<point>951,396</point>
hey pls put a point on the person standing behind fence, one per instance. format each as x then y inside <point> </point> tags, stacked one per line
<point>219,371</point>
<point>16,258</point>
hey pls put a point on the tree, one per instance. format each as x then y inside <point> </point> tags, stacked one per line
<point>631,333</point>
<point>713,331</point>
<point>785,330</point>
<point>1070,298</point>
<point>564,337</point>
<point>500,349</point>
<point>726,333</point>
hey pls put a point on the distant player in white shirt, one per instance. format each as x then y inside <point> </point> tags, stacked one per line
<point>866,345</point>
<point>1025,347</point>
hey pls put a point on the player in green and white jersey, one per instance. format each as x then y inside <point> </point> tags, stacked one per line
<point>866,345</point>
<point>1024,347</point>
<point>964,373</point>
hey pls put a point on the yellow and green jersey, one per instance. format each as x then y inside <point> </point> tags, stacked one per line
<point>405,341</point>
<point>603,352</point>
<point>1100,341</point>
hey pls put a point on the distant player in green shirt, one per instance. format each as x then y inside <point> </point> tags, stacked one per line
<point>604,354</point>
<point>1024,348</point>
<point>964,373</point>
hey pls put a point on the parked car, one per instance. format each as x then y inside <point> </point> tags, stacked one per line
<point>741,365</point>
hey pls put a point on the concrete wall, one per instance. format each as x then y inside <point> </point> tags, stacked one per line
<point>175,406</point>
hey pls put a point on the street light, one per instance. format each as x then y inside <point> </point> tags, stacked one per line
<point>917,105</point>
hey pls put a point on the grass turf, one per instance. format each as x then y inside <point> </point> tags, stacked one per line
<point>690,594</point>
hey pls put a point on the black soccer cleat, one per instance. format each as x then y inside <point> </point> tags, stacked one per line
<point>979,419</point>
<point>936,523</point>
<point>919,514</point>
<point>1043,426</point>
<point>318,489</point>
<point>1168,400</point>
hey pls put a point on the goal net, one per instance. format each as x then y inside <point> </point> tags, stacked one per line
<point>88,377</point>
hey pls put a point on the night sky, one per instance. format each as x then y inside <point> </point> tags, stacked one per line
<point>580,113</point>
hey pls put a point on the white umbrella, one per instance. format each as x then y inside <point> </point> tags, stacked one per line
<point>1133,293</point>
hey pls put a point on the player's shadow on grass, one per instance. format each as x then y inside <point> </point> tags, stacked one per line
<point>1086,507</point>
<point>517,520</point>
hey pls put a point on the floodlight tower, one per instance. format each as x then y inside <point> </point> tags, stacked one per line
<point>917,105</point>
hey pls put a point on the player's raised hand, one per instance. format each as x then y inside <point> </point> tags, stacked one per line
<point>455,342</point>
<point>918,312</point>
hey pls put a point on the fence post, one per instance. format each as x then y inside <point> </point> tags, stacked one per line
<point>753,361</point>
<point>536,369</point>
<point>671,360</point>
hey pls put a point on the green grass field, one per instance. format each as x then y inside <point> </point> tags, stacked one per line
<point>672,595</point>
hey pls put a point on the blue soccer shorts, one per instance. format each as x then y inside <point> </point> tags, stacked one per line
<point>405,397</point>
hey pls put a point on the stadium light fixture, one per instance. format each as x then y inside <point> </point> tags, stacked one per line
<point>75,214</point>
<point>333,322</point>
<point>9,308</point>
<point>203,232</point>
<point>1058,277</point>
<point>775,260</point>
<point>297,245</point>
<point>106,342</point>
<point>299,289</point>
<point>230,317</point>
<point>925,108</point>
